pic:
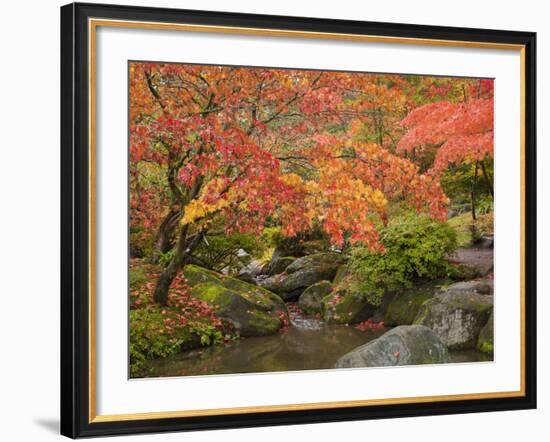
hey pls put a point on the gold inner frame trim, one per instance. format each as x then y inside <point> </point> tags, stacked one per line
<point>93,24</point>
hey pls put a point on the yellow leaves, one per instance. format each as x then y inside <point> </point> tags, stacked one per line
<point>198,209</point>
<point>379,200</point>
<point>292,179</point>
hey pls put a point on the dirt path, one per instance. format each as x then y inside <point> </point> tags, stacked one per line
<point>474,257</point>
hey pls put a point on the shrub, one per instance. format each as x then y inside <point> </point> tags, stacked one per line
<point>415,248</point>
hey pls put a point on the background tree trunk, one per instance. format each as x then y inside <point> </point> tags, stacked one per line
<point>488,180</point>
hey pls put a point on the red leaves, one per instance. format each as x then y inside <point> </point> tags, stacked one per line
<point>369,324</point>
<point>464,131</point>
<point>240,133</point>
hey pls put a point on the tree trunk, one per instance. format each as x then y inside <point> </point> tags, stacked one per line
<point>473,193</point>
<point>184,248</point>
<point>487,180</point>
<point>163,242</point>
<point>473,227</point>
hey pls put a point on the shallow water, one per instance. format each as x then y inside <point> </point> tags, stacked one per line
<point>308,344</point>
<point>292,349</point>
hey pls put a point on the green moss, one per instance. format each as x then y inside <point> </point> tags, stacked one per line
<point>485,341</point>
<point>403,308</point>
<point>485,347</point>
<point>214,294</point>
<point>196,275</point>
<point>346,308</point>
<point>263,323</point>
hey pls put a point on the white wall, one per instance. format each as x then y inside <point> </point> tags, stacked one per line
<point>29,220</point>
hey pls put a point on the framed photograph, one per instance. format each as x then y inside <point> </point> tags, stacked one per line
<point>274,220</point>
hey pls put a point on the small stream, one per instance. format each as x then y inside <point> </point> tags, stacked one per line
<point>307,344</point>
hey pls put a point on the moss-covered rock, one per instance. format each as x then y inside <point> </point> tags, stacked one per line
<point>196,275</point>
<point>251,310</point>
<point>326,263</point>
<point>310,301</point>
<point>456,317</point>
<point>485,341</point>
<point>247,317</point>
<point>403,345</point>
<point>404,307</point>
<point>463,272</point>
<point>341,273</point>
<point>347,307</point>
<point>302,273</point>
<point>279,265</point>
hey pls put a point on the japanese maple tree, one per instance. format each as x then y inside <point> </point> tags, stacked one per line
<point>463,131</point>
<point>243,145</point>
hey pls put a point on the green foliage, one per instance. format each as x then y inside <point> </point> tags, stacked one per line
<point>457,184</point>
<point>148,338</point>
<point>209,334</point>
<point>166,258</point>
<point>415,247</point>
<point>272,236</point>
<point>136,277</point>
<point>218,252</point>
<point>141,242</point>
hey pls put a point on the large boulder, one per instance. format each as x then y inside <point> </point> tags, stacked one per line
<point>346,306</point>
<point>310,302</point>
<point>485,341</point>
<point>403,345</point>
<point>404,307</point>
<point>482,286</point>
<point>456,317</point>
<point>251,310</point>
<point>302,273</point>
<point>325,264</point>
<point>279,265</point>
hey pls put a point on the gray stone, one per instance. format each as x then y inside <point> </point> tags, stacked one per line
<point>482,286</point>
<point>456,317</point>
<point>487,242</point>
<point>302,273</point>
<point>279,265</point>
<point>403,345</point>
<point>310,301</point>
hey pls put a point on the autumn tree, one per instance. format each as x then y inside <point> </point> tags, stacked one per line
<point>245,145</point>
<point>461,131</point>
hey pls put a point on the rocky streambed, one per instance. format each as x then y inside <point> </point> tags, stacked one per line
<point>297,319</point>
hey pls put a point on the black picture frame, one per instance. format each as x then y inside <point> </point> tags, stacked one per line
<point>75,221</point>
